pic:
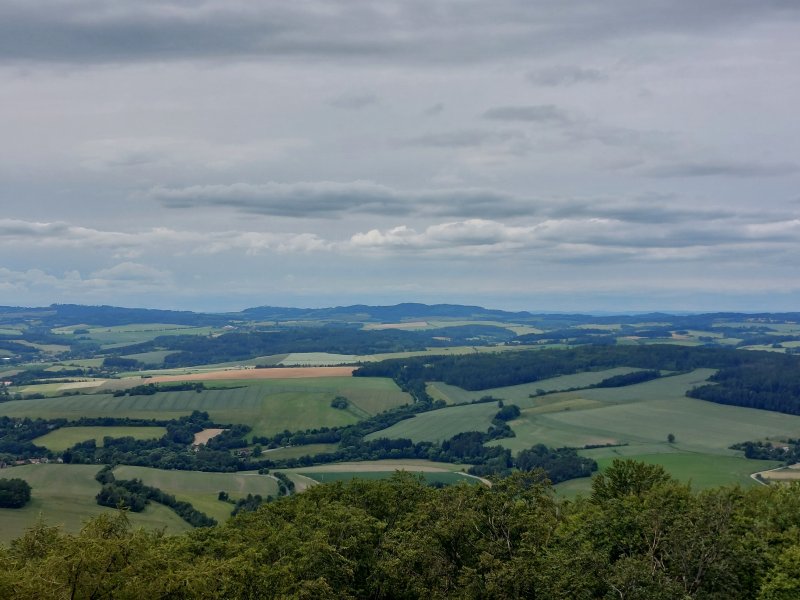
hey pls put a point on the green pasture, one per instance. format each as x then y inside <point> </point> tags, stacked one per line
<point>154,357</point>
<point>442,424</point>
<point>66,437</point>
<point>702,471</point>
<point>65,495</point>
<point>201,489</point>
<point>643,415</point>
<point>299,451</point>
<point>449,478</point>
<point>121,335</point>
<point>519,394</point>
<point>267,405</point>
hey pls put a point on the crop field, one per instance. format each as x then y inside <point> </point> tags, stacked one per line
<point>518,394</point>
<point>702,471</point>
<point>154,357</point>
<point>643,415</point>
<point>446,478</point>
<point>299,451</point>
<point>269,406</point>
<point>66,437</point>
<point>201,489</point>
<point>64,495</point>
<point>133,334</point>
<point>380,469</point>
<point>442,424</point>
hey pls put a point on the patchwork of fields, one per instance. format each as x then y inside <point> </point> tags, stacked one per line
<point>268,406</point>
<point>64,495</point>
<point>202,489</point>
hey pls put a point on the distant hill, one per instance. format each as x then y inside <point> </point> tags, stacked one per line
<point>62,315</point>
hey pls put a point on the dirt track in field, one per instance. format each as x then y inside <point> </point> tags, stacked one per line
<point>276,373</point>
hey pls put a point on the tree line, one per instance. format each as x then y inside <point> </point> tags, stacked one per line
<point>638,535</point>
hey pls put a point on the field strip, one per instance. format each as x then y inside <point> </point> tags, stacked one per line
<point>271,373</point>
<point>767,475</point>
<point>82,384</point>
<point>202,437</point>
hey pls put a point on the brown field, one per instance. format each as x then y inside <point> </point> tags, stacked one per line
<point>272,373</point>
<point>202,437</point>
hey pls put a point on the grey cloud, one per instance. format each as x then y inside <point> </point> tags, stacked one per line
<point>145,30</point>
<point>723,169</point>
<point>434,110</point>
<point>542,113</point>
<point>327,199</point>
<point>563,75</point>
<point>354,101</point>
<point>465,138</point>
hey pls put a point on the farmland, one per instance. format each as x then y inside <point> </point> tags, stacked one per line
<point>64,495</point>
<point>66,437</point>
<point>269,406</point>
<point>702,471</point>
<point>202,489</point>
<point>433,472</point>
<point>442,424</point>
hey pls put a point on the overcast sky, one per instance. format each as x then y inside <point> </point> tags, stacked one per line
<point>522,154</point>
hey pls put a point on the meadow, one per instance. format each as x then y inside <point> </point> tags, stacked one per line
<point>433,472</point>
<point>268,406</point>
<point>702,471</point>
<point>442,424</point>
<point>66,437</point>
<point>64,495</point>
<point>520,393</point>
<point>201,489</point>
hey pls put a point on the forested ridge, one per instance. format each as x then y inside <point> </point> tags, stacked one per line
<point>640,535</point>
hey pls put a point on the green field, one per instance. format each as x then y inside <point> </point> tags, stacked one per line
<point>66,437</point>
<point>269,406</point>
<point>701,470</point>
<point>64,495</point>
<point>154,357</point>
<point>299,451</point>
<point>520,393</point>
<point>643,415</point>
<point>380,469</point>
<point>437,477</point>
<point>201,489</point>
<point>121,335</point>
<point>442,424</point>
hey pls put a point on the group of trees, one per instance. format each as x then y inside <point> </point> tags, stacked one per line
<point>14,493</point>
<point>639,535</point>
<point>134,495</point>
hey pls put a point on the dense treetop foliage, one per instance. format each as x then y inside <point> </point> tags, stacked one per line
<point>640,535</point>
<point>14,493</point>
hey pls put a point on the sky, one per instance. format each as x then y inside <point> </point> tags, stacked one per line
<point>533,155</point>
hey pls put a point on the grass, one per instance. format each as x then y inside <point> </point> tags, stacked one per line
<point>442,424</point>
<point>201,489</point>
<point>643,415</point>
<point>64,495</point>
<point>520,393</point>
<point>702,471</point>
<point>299,451</point>
<point>66,437</point>
<point>443,478</point>
<point>269,406</point>
<point>121,335</point>
<point>446,473</point>
<point>154,357</point>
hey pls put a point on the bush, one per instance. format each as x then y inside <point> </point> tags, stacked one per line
<point>14,493</point>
